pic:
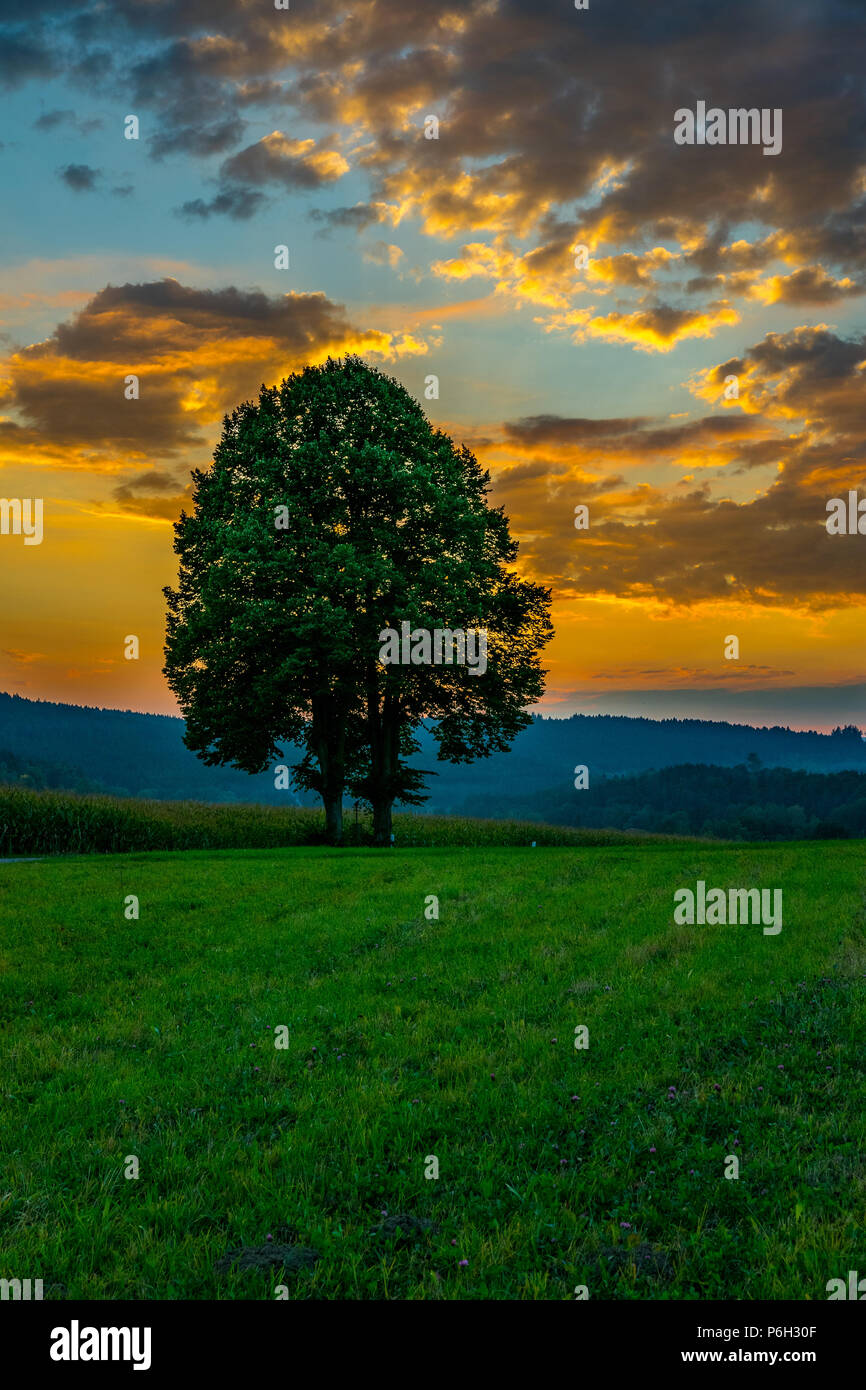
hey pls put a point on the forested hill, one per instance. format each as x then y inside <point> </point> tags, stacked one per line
<point>546,754</point>
<point>747,802</point>
<point>116,751</point>
<point>131,754</point>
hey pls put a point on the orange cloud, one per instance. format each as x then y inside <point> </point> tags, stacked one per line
<point>192,354</point>
<point>657,329</point>
<point>808,285</point>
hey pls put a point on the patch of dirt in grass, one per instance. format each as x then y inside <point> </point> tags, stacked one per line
<point>646,1258</point>
<point>291,1258</point>
<point>852,962</point>
<point>836,1172</point>
<point>667,948</point>
<point>404,1227</point>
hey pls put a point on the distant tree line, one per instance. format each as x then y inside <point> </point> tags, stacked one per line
<point>40,775</point>
<point>748,802</point>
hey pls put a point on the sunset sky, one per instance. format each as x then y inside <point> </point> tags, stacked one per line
<point>602,385</point>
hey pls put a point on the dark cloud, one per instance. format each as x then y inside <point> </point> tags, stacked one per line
<point>85,408</point>
<point>275,159</point>
<point>811,285</point>
<point>280,160</point>
<point>713,255</point>
<point>50,120</point>
<point>87,68</point>
<point>81,178</point>
<point>707,432</point>
<point>191,86</point>
<point>740,441</point>
<point>358,217</point>
<point>155,480</point>
<point>261,92</point>
<point>198,137</point>
<point>153,493</point>
<point>190,350</point>
<point>15,11</point>
<point>124,323</point>
<point>238,203</point>
<point>808,373</point>
<point>559,429</point>
<point>22,59</point>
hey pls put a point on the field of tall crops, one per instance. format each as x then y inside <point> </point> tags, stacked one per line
<point>48,822</point>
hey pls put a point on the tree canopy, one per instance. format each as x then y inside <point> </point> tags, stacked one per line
<point>335,512</point>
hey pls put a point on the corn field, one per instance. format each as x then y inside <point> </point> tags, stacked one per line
<point>51,822</point>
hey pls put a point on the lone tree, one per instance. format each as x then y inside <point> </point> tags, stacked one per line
<point>334,514</point>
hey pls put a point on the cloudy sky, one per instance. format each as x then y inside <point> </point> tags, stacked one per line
<point>600,384</point>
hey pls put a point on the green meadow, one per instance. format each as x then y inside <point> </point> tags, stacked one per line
<point>412,1038</point>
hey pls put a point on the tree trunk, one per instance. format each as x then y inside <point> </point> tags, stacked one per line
<point>334,818</point>
<point>384,733</point>
<point>329,741</point>
<point>382,822</point>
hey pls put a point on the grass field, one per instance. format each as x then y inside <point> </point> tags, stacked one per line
<point>411,1037</point>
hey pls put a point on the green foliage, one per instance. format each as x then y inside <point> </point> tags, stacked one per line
<point>333,511</point>
<point>410,1037</point>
